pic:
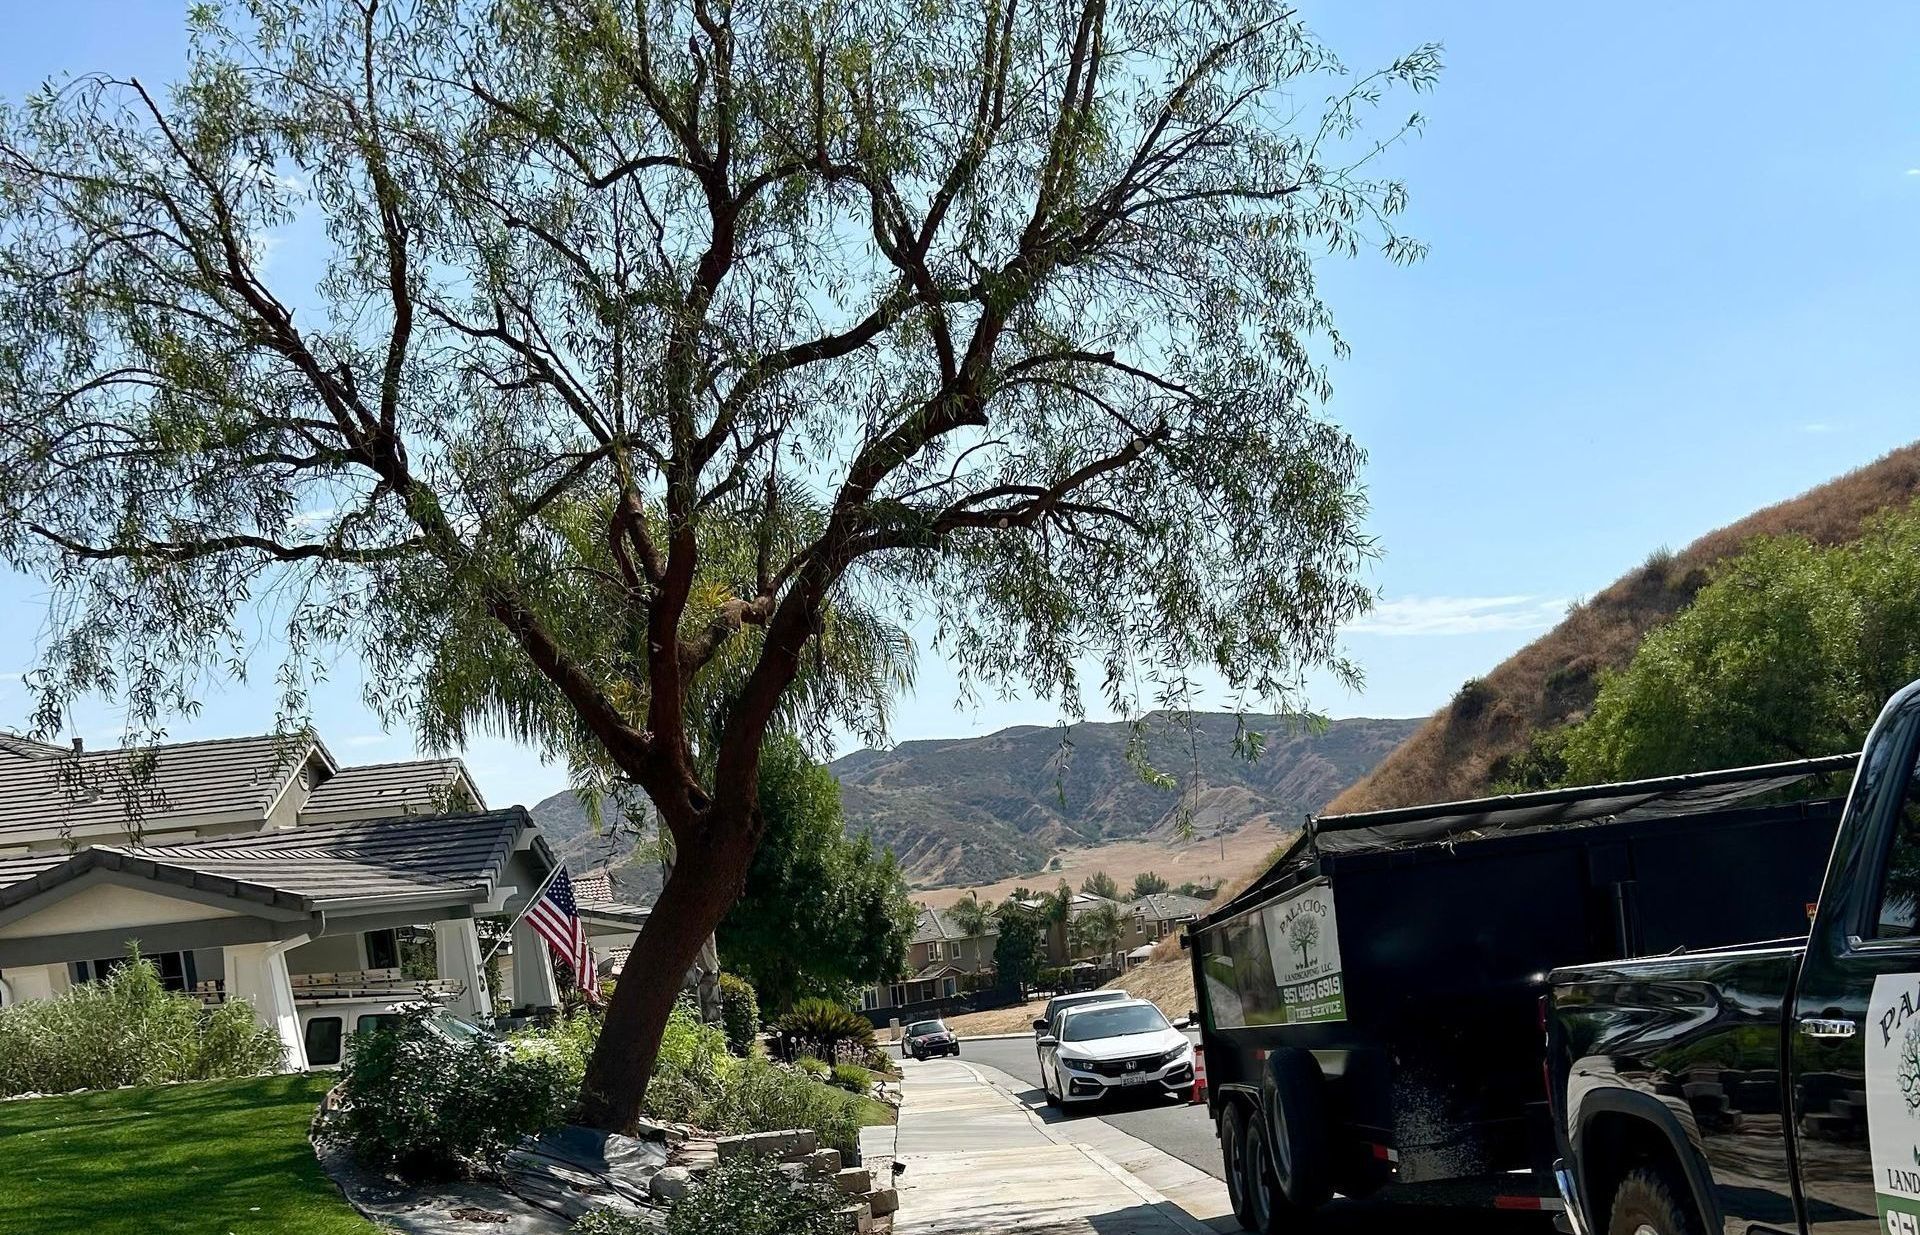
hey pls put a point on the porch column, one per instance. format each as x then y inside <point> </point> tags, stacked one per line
<point>456,958</point>
<point>534,985</point>
<point>25,982</point>
<point>257,973</point>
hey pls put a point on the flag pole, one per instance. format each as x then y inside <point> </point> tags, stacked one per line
<point>531,902</point>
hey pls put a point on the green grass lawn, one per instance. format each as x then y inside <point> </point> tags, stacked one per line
<point>200,1159</point>
<point>875,1113</point>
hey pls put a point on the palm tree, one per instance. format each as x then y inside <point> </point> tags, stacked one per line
<point>970,914</point>
<point>1099,931</point>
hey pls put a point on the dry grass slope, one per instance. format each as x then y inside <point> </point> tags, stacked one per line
<point>1552,680</point>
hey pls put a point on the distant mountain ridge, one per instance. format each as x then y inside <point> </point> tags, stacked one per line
<point>974,810</point>
<point>978,809</point>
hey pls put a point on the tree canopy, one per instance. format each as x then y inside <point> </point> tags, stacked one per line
<point>1020,945</point>
<point>1788,652</point>
<point>1146,883</point>
<point>1101,884</point>
<point>822,914</point>
<point>592,371</point>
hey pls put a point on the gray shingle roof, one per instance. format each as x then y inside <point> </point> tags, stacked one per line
<point>311,867</point>
<point>27,748</point>
<point>102,792</point>
<point>937,924</point>
<point>417,787</point>
<point>1168,906</point>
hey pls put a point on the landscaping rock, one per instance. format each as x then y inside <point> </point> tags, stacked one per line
<point>883,1201</point>
<point>854,1180</point>
<point>859,1219</point>
<point>669,1184</point>
<point>696,1155</point>
<point>824,1161</point>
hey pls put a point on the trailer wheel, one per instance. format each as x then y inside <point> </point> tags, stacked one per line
<point>1646,1204</point>
<point>1268,1209</point>
<point>1301,1153</point>
<point>1233,1161</point>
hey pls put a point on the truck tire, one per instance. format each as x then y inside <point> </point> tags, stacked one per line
<point>1646,1204</point>
<point>1299,1131</point>
<point>1269,1211</point>
<point>1233,1161</point>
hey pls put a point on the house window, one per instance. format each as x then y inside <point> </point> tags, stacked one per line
<point>933,951</point>
<point>950,988</point>
<point>383,949</point>
<point>870,999</point>
<point>898,996</point>
<point>175,968</point>
<point>323,1041</point>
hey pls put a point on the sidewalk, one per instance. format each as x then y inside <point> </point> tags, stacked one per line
<point>978,1162</point>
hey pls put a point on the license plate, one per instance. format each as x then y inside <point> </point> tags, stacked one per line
<point>1135,1078</point>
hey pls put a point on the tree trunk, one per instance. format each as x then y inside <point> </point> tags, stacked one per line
<point>702,887</point>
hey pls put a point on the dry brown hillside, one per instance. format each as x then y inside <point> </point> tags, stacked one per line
<point>1455,754</point>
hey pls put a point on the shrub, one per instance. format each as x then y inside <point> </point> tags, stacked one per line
<point>432,1108</point>
<point>739,1013</point>
<point>853,1078</point>
<point>821,1026</point>
<point>613,1222</point>
<point>128,1030</point>
<point>749,1196</point>
<point>818,1069</point>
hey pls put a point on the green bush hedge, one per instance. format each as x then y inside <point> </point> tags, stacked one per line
<point>821,1027</point>
<point>432,1108</point>
<point>853,1078</point>
<point>739,1014</point>
<point>128,1030</point>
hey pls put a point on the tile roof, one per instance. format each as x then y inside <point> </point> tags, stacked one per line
<point>938,924</point>
<point>27,748</point>
<point>102,792</point>
<point>415,787</point>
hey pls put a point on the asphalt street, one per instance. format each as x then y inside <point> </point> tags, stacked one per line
<point>1185,1132</point>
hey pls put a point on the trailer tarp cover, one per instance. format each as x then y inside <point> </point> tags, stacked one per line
<point>1628,801</point>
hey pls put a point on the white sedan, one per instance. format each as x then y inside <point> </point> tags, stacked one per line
<point>1125,1046</point>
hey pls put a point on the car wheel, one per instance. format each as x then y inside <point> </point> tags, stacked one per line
<point>1233,1161</point>
<point>1646,1204</point>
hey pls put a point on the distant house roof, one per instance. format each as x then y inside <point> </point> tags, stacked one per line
<point>27,748</point>
<point>936,925</point>
<point>417,787</point>
<point>592,888</point>
<point>1167,907</point>
<point>80,793</point>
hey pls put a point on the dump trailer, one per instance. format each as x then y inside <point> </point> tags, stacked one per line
<point>1371,1005</point>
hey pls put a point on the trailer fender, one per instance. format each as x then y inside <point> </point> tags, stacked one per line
<point>1294,1105</point>
<point>1602,1115</point>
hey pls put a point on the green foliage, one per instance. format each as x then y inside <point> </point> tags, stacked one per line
<point>1541,764</point>
<point>1146,883</point>
<point>822,914</point>
<point>613,1222</point>
<point>128,1030</point>
<point>1101,884</point>
<point>818,1069</point>
<point>1788,652</point>
<point>853,1078</point>
<point>1020,946</point>
<point>972,915</point>
<point>739,1013</point>
<point>749,1196</point>
<point>431,1108</point>
<point>1097,931</point>
<point>822,1028</point>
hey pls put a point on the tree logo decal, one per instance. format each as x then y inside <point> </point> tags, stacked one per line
<point>1303,934</point>
<point>1909,1073</point>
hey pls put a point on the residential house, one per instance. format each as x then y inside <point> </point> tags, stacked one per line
<point>941,960</point>
<point>1154,917</point>
<point>260,869</point>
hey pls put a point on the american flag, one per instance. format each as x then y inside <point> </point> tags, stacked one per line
<point>557,918</point>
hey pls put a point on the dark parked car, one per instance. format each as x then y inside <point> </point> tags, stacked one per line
<point>1771,1086</point>
<point>928,1038</point>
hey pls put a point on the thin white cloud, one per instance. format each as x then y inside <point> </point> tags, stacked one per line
<point>1819,426</point>
<point>1460,615</point>
<point>365,739</point>
<point>308,519</point>
<point>1913,171</point>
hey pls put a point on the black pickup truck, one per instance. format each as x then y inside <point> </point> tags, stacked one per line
<point>1769,1087</point>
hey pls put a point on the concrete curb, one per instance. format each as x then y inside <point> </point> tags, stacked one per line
<point>1005,1086</point>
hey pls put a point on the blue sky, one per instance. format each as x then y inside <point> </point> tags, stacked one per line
<point>1673,278</point>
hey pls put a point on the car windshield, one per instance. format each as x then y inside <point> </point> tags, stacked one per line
<point>921,1027</point>
<point>1085,1026</point>
<point>456,1028</point>
<point>1075,1001</point>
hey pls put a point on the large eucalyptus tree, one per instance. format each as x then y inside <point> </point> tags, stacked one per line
<point>613,374</point>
